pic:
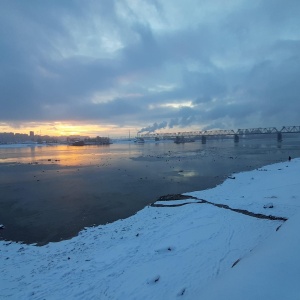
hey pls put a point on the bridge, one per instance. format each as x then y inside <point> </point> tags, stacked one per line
<point>202,134</point>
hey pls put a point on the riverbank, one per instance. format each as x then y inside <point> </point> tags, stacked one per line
<point>167,252</point>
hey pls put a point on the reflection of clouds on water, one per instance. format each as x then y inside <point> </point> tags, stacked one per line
<point>188,173</point>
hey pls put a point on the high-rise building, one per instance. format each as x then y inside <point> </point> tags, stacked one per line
<point>31,134</point>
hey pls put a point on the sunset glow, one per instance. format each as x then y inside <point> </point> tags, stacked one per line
<point>67,129</point>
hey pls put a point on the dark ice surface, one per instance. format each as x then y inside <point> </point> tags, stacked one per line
<point>50,193</point>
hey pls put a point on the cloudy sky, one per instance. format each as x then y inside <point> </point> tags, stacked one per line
<point>114,65</point>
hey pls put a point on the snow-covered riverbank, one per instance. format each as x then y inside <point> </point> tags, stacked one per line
<point>183,251</point>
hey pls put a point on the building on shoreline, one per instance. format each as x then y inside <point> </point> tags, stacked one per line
<point>23,138</point>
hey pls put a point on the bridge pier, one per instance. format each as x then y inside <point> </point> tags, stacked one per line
<point>203,139</point>
<point>236,138</point>
<point>279,137</point>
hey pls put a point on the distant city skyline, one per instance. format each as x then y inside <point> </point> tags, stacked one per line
<point>8,137</point>
<point>61,129</point>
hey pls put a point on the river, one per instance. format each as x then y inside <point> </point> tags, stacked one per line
<point>50,193</point>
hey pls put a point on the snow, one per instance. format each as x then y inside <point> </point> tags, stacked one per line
<point>270,272</point>
<point>176,252</point>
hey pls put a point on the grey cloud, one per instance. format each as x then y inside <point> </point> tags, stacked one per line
<point>146,53</point>
<point>238,66</point>
<point>154,127</point>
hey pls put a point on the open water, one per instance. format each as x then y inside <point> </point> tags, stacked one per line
<point>50,193</point>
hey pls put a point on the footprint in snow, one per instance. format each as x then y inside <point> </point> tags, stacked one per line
<point>165,249</point>
<point>153,280</point>
<point>181,292</point>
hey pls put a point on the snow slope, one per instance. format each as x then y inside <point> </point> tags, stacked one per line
<point>272,271</point>
<point>169,252</point>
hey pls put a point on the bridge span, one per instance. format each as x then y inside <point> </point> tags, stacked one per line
<point>202,134</point>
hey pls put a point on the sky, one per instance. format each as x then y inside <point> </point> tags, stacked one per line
<point>110,66</point>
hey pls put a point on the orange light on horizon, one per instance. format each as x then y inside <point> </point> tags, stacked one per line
<point>66,129</point>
